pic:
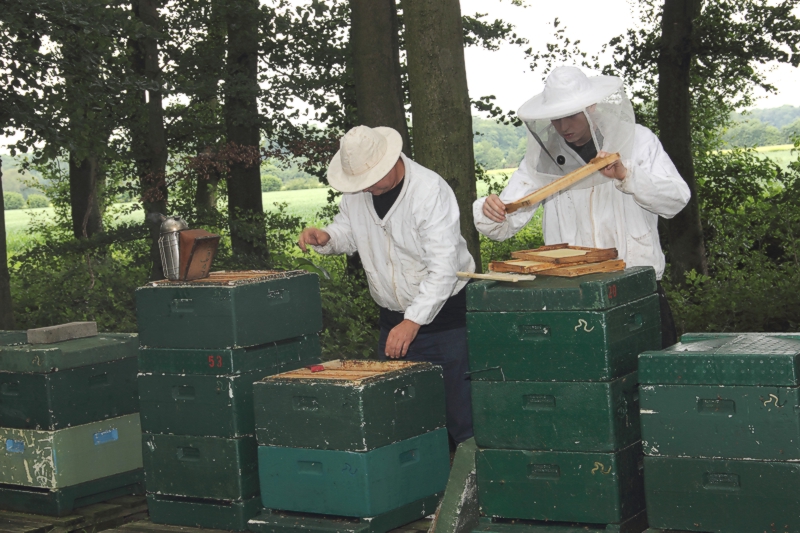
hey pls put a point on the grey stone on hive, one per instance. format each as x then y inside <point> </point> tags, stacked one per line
<point>62,332</point>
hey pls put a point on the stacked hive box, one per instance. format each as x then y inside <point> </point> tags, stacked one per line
<point>354,445</point>
<point>554,395</point>
<point>204,343</point>
<point>69,422</point>
<point>721,433</point>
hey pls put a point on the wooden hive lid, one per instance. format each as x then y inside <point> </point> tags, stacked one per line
<point>231,278</point>
<point>348,371</point>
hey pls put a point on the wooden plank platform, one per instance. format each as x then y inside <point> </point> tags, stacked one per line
<point>146,526</point>
<point>89,519</point>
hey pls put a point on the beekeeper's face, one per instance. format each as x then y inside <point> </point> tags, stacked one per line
<point>574,129</point>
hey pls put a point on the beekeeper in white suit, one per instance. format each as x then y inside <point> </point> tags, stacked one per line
<point>575,119</point>
<point>404,222</point>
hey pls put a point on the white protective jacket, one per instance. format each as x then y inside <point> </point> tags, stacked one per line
<point>617,214</point>
<point>411,256</point>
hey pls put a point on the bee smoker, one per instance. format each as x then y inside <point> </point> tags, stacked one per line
<point>169,246</point>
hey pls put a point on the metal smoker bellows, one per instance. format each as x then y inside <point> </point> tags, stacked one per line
<point>169,246</point>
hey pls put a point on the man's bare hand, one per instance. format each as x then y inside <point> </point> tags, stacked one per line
<point>314,237</point>
<point>615,170</point>
<point>400,338</point>
<point>494,208</point>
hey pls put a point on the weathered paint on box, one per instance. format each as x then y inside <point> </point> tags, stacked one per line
<point>745,359</point>
<point>9,337</point>
<point>736,422</point>
<point>275,521</point>
<point>65,457</point>
<point>722,496</point>
<point>562,345</point>
<point>694,337</point>
<point>63,501</point>
<point>202,315</point>
<point>459,511</point>
<point>567,416</point>
<point>357,484</point>
<point>635,524</point>
<point>213,406</point>
<point>599,488</point>
<point>44,358</point>
<point>362,415</point>
<point>69,397</point>
<point>194,512</point>
<point>595,292</point>
<point>270,358</point>
<point>201,467</point>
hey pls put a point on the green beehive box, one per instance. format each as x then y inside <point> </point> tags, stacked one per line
<point>350,405</point>
<point>557,345</point>
<point>272,521</point>
<point>635,524</point>
<point>212,406</point>
<point>13,337</point>
<point>63,501</point>
<point>732,397</point>
<point>722,496</point>
<point>65,457</point>
<point>595,292</point>
<point>70,397</point>
<point>229,310</point>
<point>355,484</point>
<point>598,488</point>
<point>194,512</point>
<point>567,416</point>
<point>201,467</point>
<point>270,358</point>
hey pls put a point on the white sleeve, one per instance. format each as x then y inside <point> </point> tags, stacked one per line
<point>652,178</point>
<point>439,227</point>
<point>518,186</point>
<point>342,241</point>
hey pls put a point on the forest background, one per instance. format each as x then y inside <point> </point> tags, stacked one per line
<point>195,107</point>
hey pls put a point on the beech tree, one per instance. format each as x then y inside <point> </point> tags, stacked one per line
<point>440,103</point>
<point>375,45</point>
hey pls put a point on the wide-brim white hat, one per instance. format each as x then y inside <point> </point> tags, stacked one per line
<point>567,91</point>
<point>365,156</point>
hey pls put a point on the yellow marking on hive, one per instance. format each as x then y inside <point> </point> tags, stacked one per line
<point>600,467</point>
<point>582,323</point>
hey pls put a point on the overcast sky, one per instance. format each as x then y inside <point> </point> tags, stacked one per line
<point>507,75</point>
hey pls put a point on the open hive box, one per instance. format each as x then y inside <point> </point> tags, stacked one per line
<point>560,260</point>
<point>349,405</point>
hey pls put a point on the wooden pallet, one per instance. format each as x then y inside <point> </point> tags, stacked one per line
<point>89,519</point>
<point>146,526</point>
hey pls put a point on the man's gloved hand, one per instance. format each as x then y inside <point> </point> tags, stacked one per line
<point>314,237</point>
<point>400,338</point>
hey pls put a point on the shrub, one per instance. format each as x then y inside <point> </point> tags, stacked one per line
<point>270,183</point>
<point>38,200</point>
<point>13,200</point>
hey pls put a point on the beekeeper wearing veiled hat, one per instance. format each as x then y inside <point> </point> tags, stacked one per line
<point>573,120</point>
<point>404,222</point>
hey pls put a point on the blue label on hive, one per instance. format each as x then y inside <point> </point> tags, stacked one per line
<point>109,435</point>
<point>15,446</point>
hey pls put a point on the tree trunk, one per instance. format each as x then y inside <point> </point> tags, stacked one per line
<point>440,106</point>
<point>148,133</point>
<point>6,308</point>
<point>85,188</point>
<point>685,232</point>
<point>242,126</point>
<point>375,46</point>
<point>205,199</point>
